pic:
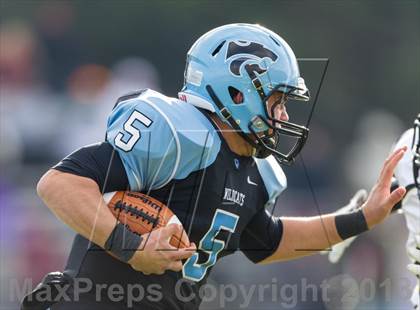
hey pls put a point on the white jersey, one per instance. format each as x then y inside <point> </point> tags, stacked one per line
<point>407,175</point>
<point>404,171</point>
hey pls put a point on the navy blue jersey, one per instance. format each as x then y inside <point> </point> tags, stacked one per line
<point>170,150</point>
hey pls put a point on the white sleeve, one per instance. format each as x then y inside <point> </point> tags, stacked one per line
<point>404,170</point>
<point>411,208</point>
<point>404,173</point>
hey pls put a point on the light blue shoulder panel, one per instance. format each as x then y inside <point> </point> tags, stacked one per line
<point>275,180</point>
<point>160,138</point>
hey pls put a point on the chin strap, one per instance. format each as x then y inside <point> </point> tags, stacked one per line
<point>264,145</point>
<point>228,116</point>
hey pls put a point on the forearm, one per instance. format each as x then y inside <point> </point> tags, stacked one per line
<point>78,202</point>
<point>304,236</point>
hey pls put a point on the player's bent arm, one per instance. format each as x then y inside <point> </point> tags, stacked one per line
<point>305,236</point>
<point>72,191</point>
<point>78,202</point>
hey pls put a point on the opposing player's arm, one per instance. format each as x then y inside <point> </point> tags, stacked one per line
<point>404,175</point>
<point>301,236</point>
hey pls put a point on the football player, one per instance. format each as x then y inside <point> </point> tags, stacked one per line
<point>213,157</point>
<point>406,174</point>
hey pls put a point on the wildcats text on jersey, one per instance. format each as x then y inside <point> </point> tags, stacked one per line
<point>234,196</point>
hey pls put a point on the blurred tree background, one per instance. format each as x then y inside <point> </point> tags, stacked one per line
<point>374,46</point>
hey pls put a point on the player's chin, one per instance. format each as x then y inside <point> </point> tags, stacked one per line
<point>275,126</point>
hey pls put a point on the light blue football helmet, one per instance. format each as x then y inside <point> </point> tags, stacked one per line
<point>232,70</point>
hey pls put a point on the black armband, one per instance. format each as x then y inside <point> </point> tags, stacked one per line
<point>123,243</point>
<point>351,224</point>
<point>49,292</point>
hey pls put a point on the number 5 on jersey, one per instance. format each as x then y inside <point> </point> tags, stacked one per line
<point>222,220</point>
<point>126,140</point>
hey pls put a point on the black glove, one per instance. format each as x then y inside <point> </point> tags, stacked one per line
<point>51,290</point>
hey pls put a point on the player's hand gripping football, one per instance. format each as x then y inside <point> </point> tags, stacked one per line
<point>380,201</point>
<point>156,255</point>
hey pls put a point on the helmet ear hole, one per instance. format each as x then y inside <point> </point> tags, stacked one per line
<point>236,95</point>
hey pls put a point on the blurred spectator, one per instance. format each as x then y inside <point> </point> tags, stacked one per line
<point>25,99</point>
<point>20,54</point>
<point>55,24</point>
<point>93,90</point>
<point>374,135</point>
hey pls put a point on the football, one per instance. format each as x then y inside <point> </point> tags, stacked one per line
<point>141,214</point>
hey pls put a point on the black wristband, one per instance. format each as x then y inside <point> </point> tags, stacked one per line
<point>123,243</point>
<point>351,224</point>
